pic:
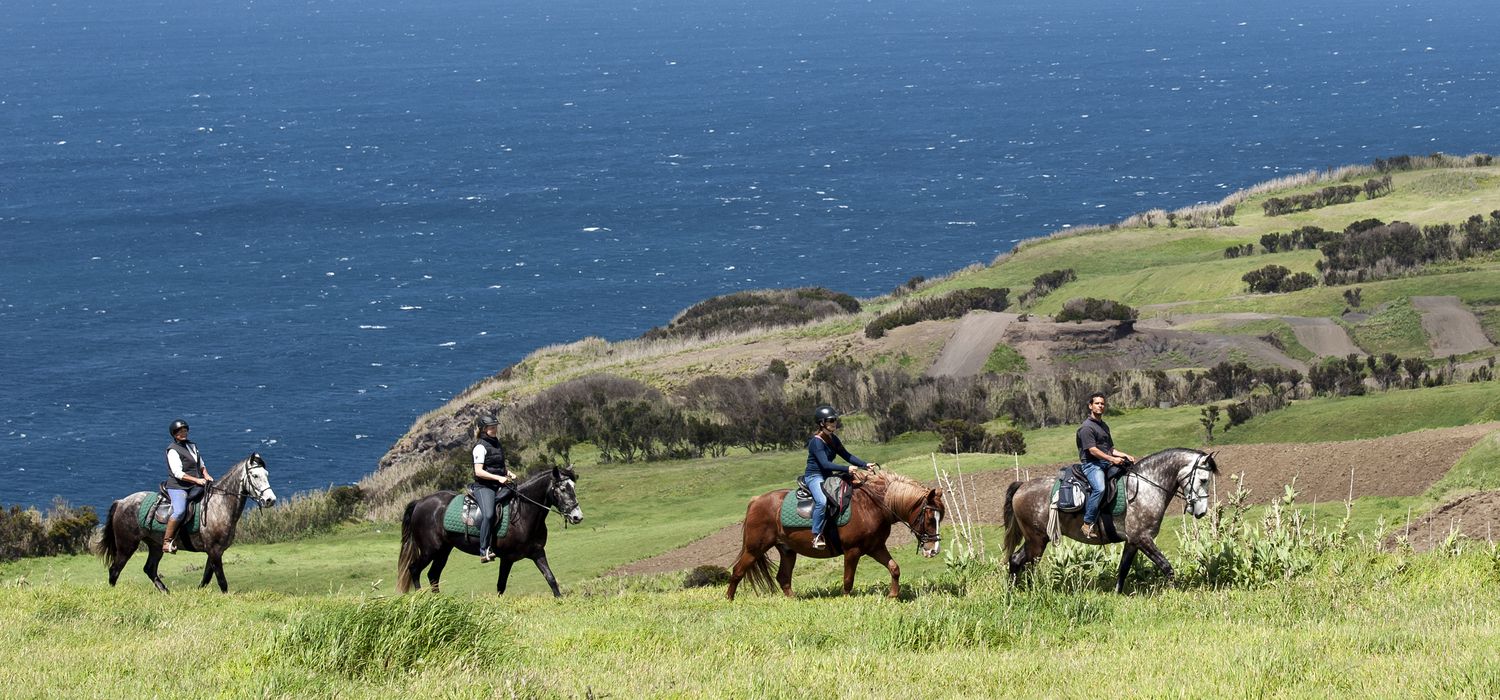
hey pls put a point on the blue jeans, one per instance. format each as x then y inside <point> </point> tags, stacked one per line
<point>1094,472</point>
<point>820,502</point>
<point>179,503</point>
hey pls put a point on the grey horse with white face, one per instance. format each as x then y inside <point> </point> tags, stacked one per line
<point>1150,486</point>
<point>222,507</point>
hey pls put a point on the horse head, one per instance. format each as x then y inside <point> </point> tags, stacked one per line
<point>1196,481</point>
<point>257,483</point>
<point>563,494</point>
<point>928,523</point>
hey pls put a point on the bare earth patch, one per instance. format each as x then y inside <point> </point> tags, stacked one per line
<point>1401,465</point>
<point>975,338</point>
<point>1476,516</point>
<point>1452,329</point>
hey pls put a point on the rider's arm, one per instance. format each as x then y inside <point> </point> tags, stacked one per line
<point>204,466</point>
<point>174,464</point>
<point>1101,454</point>
<point>479,472</point>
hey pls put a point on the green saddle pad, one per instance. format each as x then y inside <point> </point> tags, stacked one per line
<point>453,519</point>
<point>1118,510</point>
<point>151,524</point>
<point>790,518</point>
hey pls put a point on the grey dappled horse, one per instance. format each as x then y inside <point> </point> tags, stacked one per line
<point>1150,485</point>
<point>424,540</point>
<point>223,503</point>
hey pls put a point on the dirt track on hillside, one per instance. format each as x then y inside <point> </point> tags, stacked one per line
<point>1402,465</point>
<point>973,340</point>
<point>1452,329</point>
<point>1322,336</point>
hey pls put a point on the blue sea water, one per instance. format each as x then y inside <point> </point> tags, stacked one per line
<point>300,224</point>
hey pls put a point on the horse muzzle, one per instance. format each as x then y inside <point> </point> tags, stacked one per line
<point>574,516</point>
<point>930,549</point>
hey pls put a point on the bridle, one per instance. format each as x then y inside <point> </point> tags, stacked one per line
<point>1182,486</point>
<point>244,487</point>
<point>557,507</point>
<point>937,530</point>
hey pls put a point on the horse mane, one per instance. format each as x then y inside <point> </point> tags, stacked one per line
<point>1172,451</point>
<point>900,493</point>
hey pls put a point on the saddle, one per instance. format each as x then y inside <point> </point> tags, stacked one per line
<point>462,516</point>
<point>838,491</point>
<point>1071,490</point>
<point>156,509</point>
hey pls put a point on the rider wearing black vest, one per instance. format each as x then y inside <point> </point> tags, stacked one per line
<point>490,476</point>
<point>188,477</point>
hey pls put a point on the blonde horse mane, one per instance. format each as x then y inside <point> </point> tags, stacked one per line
<point>900,493</point>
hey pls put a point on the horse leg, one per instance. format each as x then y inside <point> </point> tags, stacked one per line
<point>208,567</point>
<point>851,562</point>
<point>541,563</point>
<point>121,558</point>
<point>883,555</point>
<point>153,557</point>
<point>737,571</point>
<point>218,559</point>
<point>784,571</point>
<point>504,577</point>
<point>1032,548</point>
<point>1148,546</point>
<point>439,561</point>
<point>1126,560</point>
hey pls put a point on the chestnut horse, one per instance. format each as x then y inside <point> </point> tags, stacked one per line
<point>1150,486</point>
<point>879,501</point>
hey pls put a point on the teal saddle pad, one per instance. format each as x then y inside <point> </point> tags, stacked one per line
<point>147,517</point>
<point>1118,510</point>
<point>453,518</point>
<point>790,517</point>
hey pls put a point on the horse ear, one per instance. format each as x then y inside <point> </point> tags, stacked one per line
<point>556,473</point>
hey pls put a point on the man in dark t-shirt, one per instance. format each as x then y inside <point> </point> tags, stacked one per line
<point>1096,450</point>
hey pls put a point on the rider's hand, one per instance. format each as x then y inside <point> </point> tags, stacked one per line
<point>207,478</point>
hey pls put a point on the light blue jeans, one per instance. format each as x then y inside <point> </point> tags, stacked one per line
<point>820,502</point>
<point>179,503</point>
<point>1094,472</point>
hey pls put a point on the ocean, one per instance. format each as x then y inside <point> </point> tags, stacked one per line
<point>301,224</point>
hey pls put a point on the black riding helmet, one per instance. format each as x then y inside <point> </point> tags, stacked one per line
<point>825,413</point>
<point>486,421</point>
<point>176,425</point>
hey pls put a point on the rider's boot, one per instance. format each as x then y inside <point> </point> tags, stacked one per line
<point>166,539</point>
<point>818,542</point>
<point>1088,531</point>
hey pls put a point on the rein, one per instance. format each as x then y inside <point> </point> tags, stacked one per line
<point>244,489</point>
<point>1181,490</point>
<point>545,508</point>
<point>922,538</point>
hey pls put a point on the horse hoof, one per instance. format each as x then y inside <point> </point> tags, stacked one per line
<point>160,586</point>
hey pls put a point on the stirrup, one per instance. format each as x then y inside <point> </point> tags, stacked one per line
<point>168,546</point>
<point>1090,530</point>
<point>485,556</point>
<point>818,542</point>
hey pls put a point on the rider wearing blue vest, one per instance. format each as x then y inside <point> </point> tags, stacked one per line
<point>490,476</point>
<point>822,447</point>
<point>189,475</point>
<point>1096,450</point>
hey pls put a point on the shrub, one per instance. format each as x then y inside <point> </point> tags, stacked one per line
<point>950,305</point>
<point>1044,284</point>
<point>745,311</point>
<point>26,532</point>
<point>1091,309</point>
<point>307,514</point>
<point>706,575</point>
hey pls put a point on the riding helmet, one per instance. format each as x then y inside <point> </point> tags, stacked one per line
<point>825,413</point>
<point>487,421</point>
<point>177,425</point>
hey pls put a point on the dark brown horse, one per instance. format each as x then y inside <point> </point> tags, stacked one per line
<point>1150,486</point>
<point>879,501</point>
<point>424,540</point>
<point>222,507</point>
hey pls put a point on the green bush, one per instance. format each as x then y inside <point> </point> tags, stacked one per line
<point>744,311</point>
<point>950,305</point>
<point>302,515</point>
<point>1091,309</point>
<point>706,575</point>
<point>26,532</point>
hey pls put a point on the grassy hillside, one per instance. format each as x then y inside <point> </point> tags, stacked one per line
<point>1315,605</point>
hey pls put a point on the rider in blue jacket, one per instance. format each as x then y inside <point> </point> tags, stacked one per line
<point>822,447</point>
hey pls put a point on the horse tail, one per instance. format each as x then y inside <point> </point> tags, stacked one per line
<point>408,550</point>
<point>1013,534</point>
<point>107,545</point>
<point>759,574</point>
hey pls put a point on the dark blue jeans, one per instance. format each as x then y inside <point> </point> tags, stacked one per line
<point>1094,472</point>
